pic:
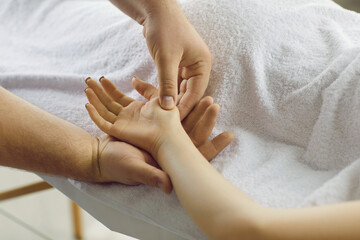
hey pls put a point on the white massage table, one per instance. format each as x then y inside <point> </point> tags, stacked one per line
<point>122,220</point>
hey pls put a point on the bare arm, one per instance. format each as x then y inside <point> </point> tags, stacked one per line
<point>329,222</point>
<point>211,201</point>
<point>224,212</point>
<point>35,140</point>
<point>220,209</point>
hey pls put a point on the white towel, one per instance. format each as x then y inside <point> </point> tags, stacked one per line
<point>286,74</point>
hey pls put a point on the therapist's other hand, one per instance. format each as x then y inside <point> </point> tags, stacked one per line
<point>124,163</point>
<point>179,53</point>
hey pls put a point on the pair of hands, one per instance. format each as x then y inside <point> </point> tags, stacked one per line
<point>147,126</point>
<point>183,61</point>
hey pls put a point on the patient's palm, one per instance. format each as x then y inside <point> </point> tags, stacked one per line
<point>142,124</point>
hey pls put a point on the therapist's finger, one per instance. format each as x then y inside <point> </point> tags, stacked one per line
<point>182,90</point>
<point>115,93</point>
<point>195,88</point>
<point>152,176</point>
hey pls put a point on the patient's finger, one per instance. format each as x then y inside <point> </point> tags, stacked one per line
<point>115,93</point>
<point>98,120</point>
<point>212,148</point>
<point>195,115</point>
<point>100,108</point>
<point>109,103</point>
<point>205,125</point>
<point>146,90</point>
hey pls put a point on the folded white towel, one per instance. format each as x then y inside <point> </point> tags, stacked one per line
<point>286,74</point>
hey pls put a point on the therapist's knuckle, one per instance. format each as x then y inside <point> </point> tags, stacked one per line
<point>168,84</point>
<point>151,177</point>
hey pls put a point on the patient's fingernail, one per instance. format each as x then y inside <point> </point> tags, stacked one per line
<point>135,78</point>
<point>101,78</point>
<point>87,79</point>
<point>85,89</point>
<point>167,102</point>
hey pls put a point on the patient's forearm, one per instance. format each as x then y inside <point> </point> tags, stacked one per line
<point>223,212</point>
<point>213,203</point>
<point>330,222</point>
<point>35,140</point>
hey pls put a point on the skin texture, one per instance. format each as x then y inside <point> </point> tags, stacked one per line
<point>177,49</point>
<point>34,140</point>
<point>219,209</point>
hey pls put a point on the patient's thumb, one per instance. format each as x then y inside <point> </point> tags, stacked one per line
<point>155,177</point>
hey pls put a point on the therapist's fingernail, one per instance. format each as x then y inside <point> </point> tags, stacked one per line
<point>87,79</point>
<point>101,78</point>
<point>167,102</point>
<point>159,184</point>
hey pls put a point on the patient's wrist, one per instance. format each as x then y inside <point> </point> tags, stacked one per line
<point>174,141</point>
<point>167,137</point>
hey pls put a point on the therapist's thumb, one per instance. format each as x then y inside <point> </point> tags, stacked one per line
<point>168,68</point>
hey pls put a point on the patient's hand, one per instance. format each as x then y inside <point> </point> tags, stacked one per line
<point>133,121</point>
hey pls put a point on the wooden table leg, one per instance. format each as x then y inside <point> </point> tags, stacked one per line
<point>17,192</point>
<point>36,187</point>
<point>76,210</point>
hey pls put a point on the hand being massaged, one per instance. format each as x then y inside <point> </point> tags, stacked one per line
<point>139,129</point>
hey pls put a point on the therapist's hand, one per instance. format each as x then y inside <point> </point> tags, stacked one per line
<point>124,163</point>
<point>179,53</point>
